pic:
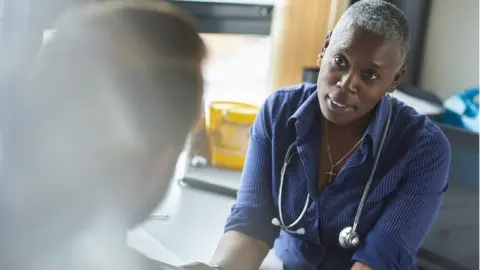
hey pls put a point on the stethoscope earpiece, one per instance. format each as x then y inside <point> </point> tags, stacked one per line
<point>276,222</point>
<point>299,231</point>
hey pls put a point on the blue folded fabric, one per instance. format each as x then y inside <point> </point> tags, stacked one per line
<point>462,110</point>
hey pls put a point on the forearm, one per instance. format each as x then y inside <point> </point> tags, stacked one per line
<point>239,251</point>
<point>361,266</point>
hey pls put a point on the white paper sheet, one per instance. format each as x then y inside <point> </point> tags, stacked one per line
<point>144,243</point>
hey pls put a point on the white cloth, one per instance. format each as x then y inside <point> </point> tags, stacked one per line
<point>420,105</point>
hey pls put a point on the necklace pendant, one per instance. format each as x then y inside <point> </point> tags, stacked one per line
<point>331,175</point>
<point>331,179</point>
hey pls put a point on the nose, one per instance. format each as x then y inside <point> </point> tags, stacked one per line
<point>348,82</point>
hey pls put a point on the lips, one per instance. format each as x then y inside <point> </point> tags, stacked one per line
<point>337,106</point>
<point>338,103</point>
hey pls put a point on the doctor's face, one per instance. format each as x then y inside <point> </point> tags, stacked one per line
<point>357,68</point>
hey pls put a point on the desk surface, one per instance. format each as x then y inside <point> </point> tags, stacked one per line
<point>194,224</point>
<point>221,177</point>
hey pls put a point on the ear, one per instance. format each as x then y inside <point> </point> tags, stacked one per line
<point>324,48</point>
<point>398,78</point>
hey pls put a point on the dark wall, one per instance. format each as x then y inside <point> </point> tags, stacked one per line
<point>417,13</point>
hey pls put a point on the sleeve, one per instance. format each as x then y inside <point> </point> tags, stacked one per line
<point>254,208</point>
<point>394,241</point>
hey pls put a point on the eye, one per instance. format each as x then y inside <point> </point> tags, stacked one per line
<point>340,61</point>
<point>370,75</point>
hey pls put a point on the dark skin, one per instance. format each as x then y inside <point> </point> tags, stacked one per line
<point>357,68</point>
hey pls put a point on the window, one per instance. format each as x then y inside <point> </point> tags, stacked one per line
<point>236,33</point>
<point>237,67</point>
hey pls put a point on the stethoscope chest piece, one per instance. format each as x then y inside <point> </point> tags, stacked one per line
<point>348,238</point>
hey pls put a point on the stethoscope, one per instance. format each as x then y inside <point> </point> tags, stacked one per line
<point>348,237</point>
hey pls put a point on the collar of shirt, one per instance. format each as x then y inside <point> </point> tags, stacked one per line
<point>305,116</point>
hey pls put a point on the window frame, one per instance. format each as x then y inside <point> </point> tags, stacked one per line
<point>229,18</point>
<point>25,20</point>
<point>212,16</point>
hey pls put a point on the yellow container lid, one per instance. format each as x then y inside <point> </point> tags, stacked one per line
<point>240,113</point>
<point>241,116</point>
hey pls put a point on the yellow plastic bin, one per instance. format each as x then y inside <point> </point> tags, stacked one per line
<point>229,129</point>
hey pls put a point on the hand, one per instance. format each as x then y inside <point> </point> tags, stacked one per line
<point>196,266</point>
<point>361,266</point>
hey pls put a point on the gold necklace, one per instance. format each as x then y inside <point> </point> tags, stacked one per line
<point>332,172</point>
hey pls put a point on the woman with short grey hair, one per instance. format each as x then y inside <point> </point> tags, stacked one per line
<point>339,175</point>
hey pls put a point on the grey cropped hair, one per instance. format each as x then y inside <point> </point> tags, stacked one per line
<point>383,19</point>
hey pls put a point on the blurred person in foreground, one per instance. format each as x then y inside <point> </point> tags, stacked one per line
<point>95,132</point>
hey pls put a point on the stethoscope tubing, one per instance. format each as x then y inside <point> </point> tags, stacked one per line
<point>288,157</point>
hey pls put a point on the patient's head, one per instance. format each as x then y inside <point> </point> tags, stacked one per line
<point>104,115</point>
<point>363,58</point>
